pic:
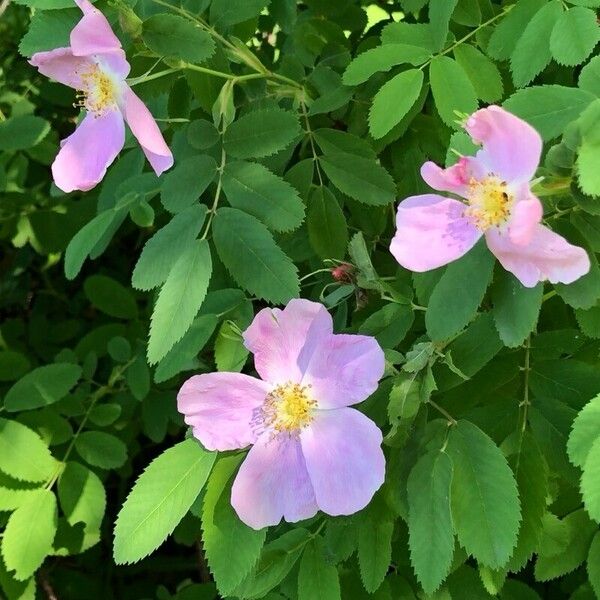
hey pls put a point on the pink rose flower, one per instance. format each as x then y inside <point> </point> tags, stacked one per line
<point>309,450</point>
<point>95,64</point>
<point>432,230</point>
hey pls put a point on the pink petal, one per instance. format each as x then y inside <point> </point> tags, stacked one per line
<point>454,179</point>
<point>525,216</point>
<point>61,65</point>
<point>273,483</point>
<point>283,341</point>
<point>345,463</point>
<point>93,34</point>
<point>222,408</point>
<point>548,256</point>
<point>145,129</point>
<point>511,147</point>
<point>86,154</point>
<point>344,370</point>
<point>431,231</point>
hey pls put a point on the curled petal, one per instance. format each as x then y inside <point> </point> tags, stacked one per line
<point>548,256</point>
<point>146,131</point>
<point>431,231</point>
<point>222,409</point>
<point>93,34</point>
<point>273,483</point>
<point>62,65</point>
<point>345,463</point>
<point>86,154</point>
<point>511,147</point>
<point>454,179</point>
<point>345,369</point>
<point>526,215</point>
<point>283,341</point>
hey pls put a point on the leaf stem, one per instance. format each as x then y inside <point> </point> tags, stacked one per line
<point>443,411</point>
<point>213,208</point>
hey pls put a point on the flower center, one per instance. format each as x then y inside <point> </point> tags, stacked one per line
<point>288,408</point>
<point>99,93</point>
<point>489,202</point>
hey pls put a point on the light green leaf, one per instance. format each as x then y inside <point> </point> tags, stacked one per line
<point>261,133</point>
<point>18,133</point>
<point>23,455</point>
<point>110,297</point>
<point>360,178</point>
<point>179,299</point>
<point>317,580</point>
<point>253,258</point>
<point>389,325</point>
<point>403,91</point>
<point>516,308</point>
<point>252,188</point>
<point>459,292</point>
<point>590,481</point>
<point>431,537</point>
<point>532,52</point>
<point>333,140</point>
<point>159,499</point>
<point>326,223</point>
<point>82,496</point>
<point>485,502</point>
<point>164,248</point>
<point>42,386</point>
<point>589,78</point>
<point>232,548</point>
<point>183,185</point>
<point>172,35</point>
<point>585,431</point>
<point>574,36</point>
<point>593,564</point>
<point>224,13</point>
<point>230,352</point>
<point>589,321</point>
<point>452,89</point>
<point>29,534</point>
<point>383,58</point>
<point>374,549</point>
<point>101,449</point>
<point>482,72</point>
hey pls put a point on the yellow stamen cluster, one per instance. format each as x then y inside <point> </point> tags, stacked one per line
<point>99,91</point>
<point>490,202</point>
<point>288,408</point>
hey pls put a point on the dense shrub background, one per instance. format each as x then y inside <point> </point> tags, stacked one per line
<point>315,119</point>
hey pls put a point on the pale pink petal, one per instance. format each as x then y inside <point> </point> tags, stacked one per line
<point>86,154</point>
<point>93,33</point>
<point>454,179</point>
<point>548,256</point>
<point>511,147</point>
<point>145,129</point>
<point>61,65</point>
<point>273,483</point>
<point>283,341</point>
<point>344,370</point>
<point>431,231</point>
<point>223,409</point>
<point>345,463</point>
<point>526,214</point>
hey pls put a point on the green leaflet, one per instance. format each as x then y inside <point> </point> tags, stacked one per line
<point>326,223</point>
<point>179,299</point>
<point>159,499</point>
<point>317,580</point>
<point>574,36</point>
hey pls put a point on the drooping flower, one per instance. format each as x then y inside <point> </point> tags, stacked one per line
<point>432,230</point>
<point>96,66</point>
<point>309,451</point>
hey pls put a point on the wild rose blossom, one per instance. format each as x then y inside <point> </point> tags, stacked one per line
<point>432,230</point>
<point>95,64</point>
<point>310,451</point>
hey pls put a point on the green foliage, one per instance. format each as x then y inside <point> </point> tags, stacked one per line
<point>160,498</point>
<point>296,130</point>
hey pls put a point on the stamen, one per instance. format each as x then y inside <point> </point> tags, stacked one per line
<point>99,91</point>
<point>490,202</point>
<point>288,408</point>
